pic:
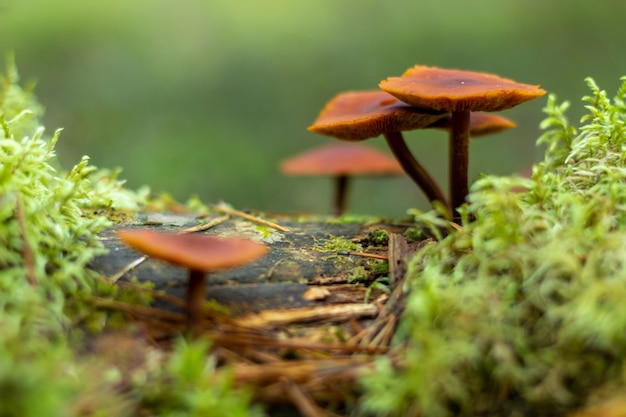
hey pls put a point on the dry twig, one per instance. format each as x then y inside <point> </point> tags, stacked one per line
<point>227,210</point>
<point>335,313</point>
<point>301,399</point>
<point>362,254</point>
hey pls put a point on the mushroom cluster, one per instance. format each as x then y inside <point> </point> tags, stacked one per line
<point>427,97</point>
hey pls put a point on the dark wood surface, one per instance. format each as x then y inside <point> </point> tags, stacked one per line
<point>297,260</point>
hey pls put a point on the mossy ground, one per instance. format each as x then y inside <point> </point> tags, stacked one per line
<point>519,310</point>
<point>524,304</point>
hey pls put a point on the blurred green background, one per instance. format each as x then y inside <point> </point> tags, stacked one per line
<point>206,97</point>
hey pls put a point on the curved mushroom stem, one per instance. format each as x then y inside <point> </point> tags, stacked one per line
<point>413,168</point>
<point>195,302</point>
<point>459,158</point>
<point>341,192</point>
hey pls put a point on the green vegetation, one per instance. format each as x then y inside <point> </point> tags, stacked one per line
<point>358,274</point>
<point>378,237</point>
<point>336,244</point>
<point>48,226</point>
<point>189,386</point>
<point>523,308</point>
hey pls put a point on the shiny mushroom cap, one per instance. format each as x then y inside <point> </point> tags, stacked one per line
<point>481,124</point>
<point>193,251</point>
<point>341,159</point>
<point>458,90</point>
<point>359,115</point>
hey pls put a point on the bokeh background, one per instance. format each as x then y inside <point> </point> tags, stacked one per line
<point>207,97</point>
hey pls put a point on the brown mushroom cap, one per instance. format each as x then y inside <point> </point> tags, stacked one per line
<point>359,115</point>
<point>481,124</point>
<point>193,251</point>
<point>341,159</point>
<point>458,90</point>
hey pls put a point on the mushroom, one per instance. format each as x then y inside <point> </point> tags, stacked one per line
<point>341,161</point>
<point>359,115</point>
<point>200,254</point>
<point>459,92</point>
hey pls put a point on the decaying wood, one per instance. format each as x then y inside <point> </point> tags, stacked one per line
<point>398,254</point>
<point>289,325</point>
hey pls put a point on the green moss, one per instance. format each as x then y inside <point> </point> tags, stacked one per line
<point>380,284</point>
<point>376,238</point>
<point>49,221</point>
<point>336,244</point>
<point>358,274</point>
<point>337,249</point>
<point>381,237</point>
<point>525,303</point>
<point>380,268</point>
<point>414,234</point>
<point>187,384</point>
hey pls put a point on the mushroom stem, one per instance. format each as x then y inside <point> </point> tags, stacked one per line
<point>414,169</point>
<point>195,302</point>
<point>341,192</point>
<point>459,158</point>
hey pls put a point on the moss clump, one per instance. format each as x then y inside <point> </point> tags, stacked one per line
<point>188,385</point>
<point>336,244</point>
<point>522,310</point>
<point>47,242</point>
<point>375,239</point>
<point>358,274</point>
<point>49,220</point>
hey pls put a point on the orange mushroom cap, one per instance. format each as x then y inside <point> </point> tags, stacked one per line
<point>359,115</point>
<point>341,159</point>
<point>193,251</point>
<point>481,124</point>
<point>458,90</point>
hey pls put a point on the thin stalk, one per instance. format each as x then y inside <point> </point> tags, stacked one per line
<point>459,158</point>
<point>413,168</point>
<point>195,302</point>
<point>341,192</point>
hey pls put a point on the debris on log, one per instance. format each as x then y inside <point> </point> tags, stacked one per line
<point>299,325</point>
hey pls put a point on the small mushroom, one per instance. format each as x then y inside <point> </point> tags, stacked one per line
<point>459,92</point>
<point>360,115</point>
<point>341,161</point>
<point>200,254</point>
